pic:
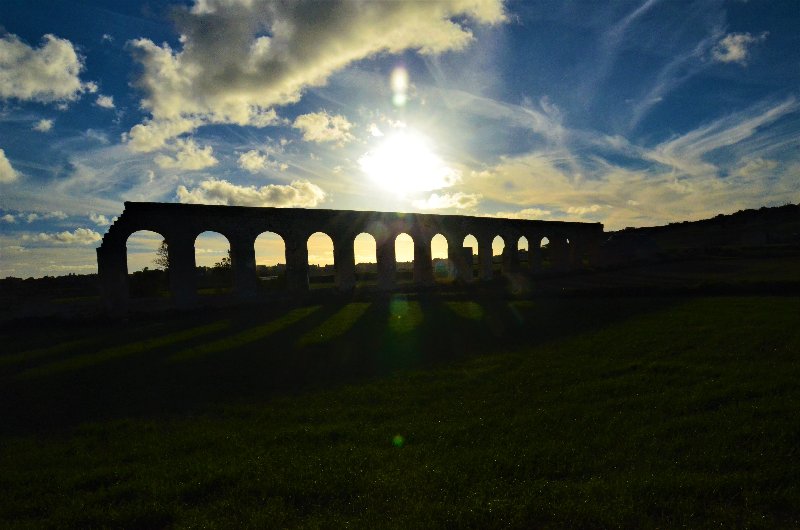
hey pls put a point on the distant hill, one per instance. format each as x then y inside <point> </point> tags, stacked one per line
<point>777,227</point>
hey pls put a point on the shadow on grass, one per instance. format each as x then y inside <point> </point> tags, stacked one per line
<point>184,363</point>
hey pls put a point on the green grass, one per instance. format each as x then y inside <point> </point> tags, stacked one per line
<point>410,412</point>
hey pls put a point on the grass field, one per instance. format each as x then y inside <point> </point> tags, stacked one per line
<point>409,411</point>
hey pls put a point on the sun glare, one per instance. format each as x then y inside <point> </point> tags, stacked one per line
<point>404,163</point>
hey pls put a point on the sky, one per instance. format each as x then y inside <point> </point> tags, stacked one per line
<point>628,113</point>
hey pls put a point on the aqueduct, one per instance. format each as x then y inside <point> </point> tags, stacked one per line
<point>570,244</point>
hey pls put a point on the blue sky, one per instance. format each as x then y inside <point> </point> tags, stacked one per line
<point>628,113</point>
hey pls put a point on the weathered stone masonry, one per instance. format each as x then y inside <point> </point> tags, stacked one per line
<point>180,224</point>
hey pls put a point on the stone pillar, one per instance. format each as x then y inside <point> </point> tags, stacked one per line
<point>423,264</point>
<point>243,265</point>
<point>344,260</point>
<point>511,256</point>
<point>535,254</point>
<point>576,251</point>
<point>182,273</point>
<point>387,263</point>
<point>559,253</point>
<point>112,270</point>
<point>460,258</point>
<point>593,253</point>
<point>485,258</point>
<point>468,259</point>
<point>296,262</point>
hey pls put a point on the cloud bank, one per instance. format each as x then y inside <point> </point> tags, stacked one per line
<point>300,193</point>
<point>79,236</point>
<point>240,58</point>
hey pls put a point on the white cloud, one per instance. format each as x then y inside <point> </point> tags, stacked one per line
<point>153,134</point>
<point>321,127</point>
<point>735,47</point>
<point>255,162</point>
<point>80,236</point>
<point>300,193</point>
<point>525,213</point>
<point>7,173</point>
<point>34,216</point>
<point>460,200</point>
<point>374,130</point>
<point>188,157</point>
<point>583,210</point>
<point>107,102</point>
<point>46,74</point>
<point>8,218</point>
<point>43,125</point>
<point>239,59</point>
<point>99,219</point>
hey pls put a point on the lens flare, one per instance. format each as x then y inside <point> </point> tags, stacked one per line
<point>399,83</point>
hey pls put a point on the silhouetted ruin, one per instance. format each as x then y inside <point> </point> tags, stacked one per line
<point>553,246</point>
<point>571,245</point>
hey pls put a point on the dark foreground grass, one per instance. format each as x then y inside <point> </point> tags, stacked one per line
<point>412,413</point>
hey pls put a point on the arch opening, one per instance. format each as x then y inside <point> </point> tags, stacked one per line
<point>212,258</point>
<point>442,268</point>
<point>471,242</point>
<point>270,253</point>
<point>545,253</point>
<point>147,262</point>
<point>498,246</point>
<point>321,269</point>
<point>404,257</point>
<point>365,250</point>
<point>523,254</point>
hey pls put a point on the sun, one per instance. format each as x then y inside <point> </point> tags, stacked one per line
<point>404,163</point>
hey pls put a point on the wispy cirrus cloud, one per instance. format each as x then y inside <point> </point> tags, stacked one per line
<point>690,176</point>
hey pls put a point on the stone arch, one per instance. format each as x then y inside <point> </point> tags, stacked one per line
<point>213,267</point>
<point>146,264</point>
<point>321,260</point>
<point>440,257</point>
<point>270,260</point>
